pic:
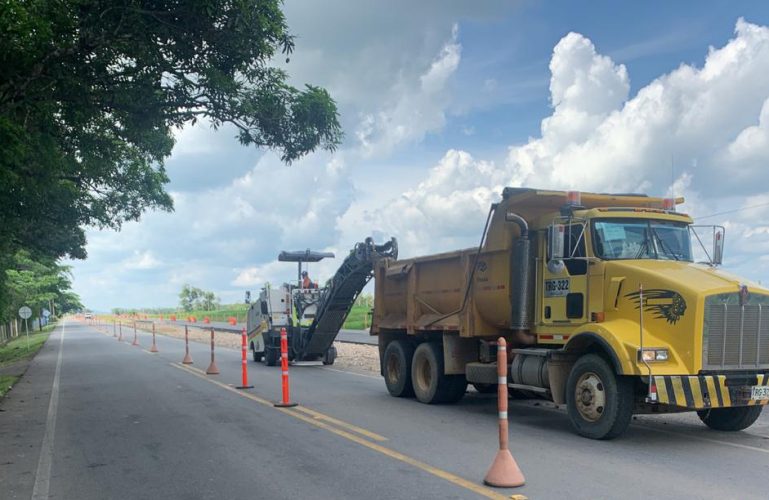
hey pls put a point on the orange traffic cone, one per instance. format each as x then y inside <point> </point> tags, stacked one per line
<point>504,471</point>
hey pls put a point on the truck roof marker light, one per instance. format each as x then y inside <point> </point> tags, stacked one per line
<point>668,203</point>
<point>573,198</point>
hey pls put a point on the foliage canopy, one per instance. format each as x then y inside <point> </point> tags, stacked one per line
<point>91,91</point>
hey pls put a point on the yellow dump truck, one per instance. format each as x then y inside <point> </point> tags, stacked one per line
<point>602,304</point>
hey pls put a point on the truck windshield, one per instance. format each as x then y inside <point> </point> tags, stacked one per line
<point>615,239</point>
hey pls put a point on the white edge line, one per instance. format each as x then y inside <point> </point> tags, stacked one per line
<point>43,475</point>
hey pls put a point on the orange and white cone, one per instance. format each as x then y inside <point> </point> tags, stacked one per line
<point>187,358</point>
<point>504,471</point>
<point>212,368</point>
<point>154,347</point>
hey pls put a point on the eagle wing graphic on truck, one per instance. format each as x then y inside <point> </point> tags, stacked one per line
<point>664,304</point>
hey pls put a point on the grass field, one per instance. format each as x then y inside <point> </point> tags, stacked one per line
<point>16,350</point>
<point>6,382</point>
<point>356,320</point>
<point>218,315</point>
<point>359,318</point>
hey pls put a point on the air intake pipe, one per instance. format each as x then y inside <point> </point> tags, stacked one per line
<point>521,283</point>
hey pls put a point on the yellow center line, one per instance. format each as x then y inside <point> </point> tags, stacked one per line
<point>320,416</point>
<point>435,471</point>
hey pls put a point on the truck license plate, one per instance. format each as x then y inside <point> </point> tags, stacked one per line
<point>759,393</point>
<point>556,288</point>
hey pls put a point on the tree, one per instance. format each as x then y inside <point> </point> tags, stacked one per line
<point>90,93</point>
<point>188,297</point>
<point>192,298</point>
<point>37,283</point>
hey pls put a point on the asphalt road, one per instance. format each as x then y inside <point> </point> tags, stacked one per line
<point>125,423</point>
<point>351,336</point>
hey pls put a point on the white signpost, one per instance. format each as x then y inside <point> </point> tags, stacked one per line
<point>25,313</point>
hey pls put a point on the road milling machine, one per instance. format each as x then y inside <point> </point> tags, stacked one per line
<point>603,307</point>
<point>312,316</point>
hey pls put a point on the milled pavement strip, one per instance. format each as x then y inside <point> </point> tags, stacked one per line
<point>448,476</point>
<point>43,474</point>
<point>348,372</point>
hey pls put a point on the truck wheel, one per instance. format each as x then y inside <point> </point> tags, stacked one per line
<point>257,355</point>
<point>730,419</point>
<point>431,385</point>
<point>599,403</point>
<point>270,356</point>
<point>396,367</point>
<point>329,356</point>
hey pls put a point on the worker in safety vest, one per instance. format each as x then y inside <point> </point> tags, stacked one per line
<point>306,283</point>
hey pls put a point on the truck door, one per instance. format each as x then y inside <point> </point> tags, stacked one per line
<point>564,286</point>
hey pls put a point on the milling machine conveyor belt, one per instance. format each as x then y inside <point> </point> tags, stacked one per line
<point>338,298</point>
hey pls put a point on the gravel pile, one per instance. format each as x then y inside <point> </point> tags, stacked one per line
<point>357,357</point>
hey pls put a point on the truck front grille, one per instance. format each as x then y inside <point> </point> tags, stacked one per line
<point>735,336</point>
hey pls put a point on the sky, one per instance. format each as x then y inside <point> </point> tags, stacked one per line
<point>443,104</point>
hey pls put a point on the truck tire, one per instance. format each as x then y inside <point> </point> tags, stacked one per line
<point>256,355</point>
<point>270,356</point>
<point>599,402</point>
<point>730,419</point>
<point>396,367</point>
<point>431,385</point>
<point>329,356</point>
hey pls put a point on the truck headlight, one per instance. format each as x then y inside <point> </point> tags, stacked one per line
<point>650,355</point>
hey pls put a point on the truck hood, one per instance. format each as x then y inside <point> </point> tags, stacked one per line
<point>697,279</point>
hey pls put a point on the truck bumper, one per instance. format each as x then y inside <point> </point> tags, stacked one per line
<point>699,392</point>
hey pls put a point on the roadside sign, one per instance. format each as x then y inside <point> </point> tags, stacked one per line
<point>25,313</point>
<point>46,313</point>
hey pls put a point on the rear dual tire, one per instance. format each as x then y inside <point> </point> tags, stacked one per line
<point>431,385</point>
<point>396,368</point>
<point>420,372</point>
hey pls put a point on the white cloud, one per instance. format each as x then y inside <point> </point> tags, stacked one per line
<point>713,119</point>
<point>414,106</point>
<point>140,260</point>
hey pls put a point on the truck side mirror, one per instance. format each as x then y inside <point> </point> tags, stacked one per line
<point>557,240</point>
<point>718,245</point>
